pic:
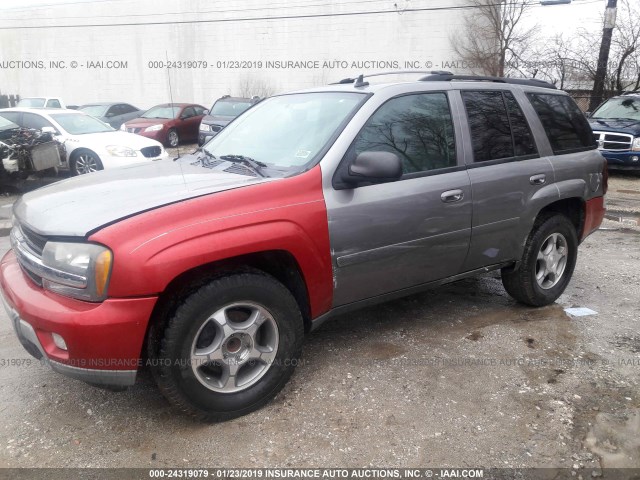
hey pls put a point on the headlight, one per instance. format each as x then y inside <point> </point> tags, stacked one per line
<point>118,151</point>
<point>123,127</point>
<point>635,146</point>
<point>84,269</point>
<point>204,127</point>
<point>154,128</point>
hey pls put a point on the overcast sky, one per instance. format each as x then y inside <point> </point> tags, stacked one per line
<point>551,19</point>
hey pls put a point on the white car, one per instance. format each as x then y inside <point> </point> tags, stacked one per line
<point>90,144</point>
<point>41,102</point>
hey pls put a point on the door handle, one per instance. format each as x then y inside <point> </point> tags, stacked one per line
<point>539,179</point>
<point>451,196</point>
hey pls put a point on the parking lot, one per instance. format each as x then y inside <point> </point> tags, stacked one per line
<point>458,376</point>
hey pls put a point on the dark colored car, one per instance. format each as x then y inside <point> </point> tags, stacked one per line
<point>222,112</point>
<point>169,123</point>
<point>115,114</point>
<point>616,127</point>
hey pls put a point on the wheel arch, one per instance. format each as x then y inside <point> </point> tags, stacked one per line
<point>280,264</point>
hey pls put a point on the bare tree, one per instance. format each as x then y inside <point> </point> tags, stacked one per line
<point>253,85</point>
<point>496,40</point>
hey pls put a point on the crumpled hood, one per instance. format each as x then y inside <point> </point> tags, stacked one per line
<point>80,205</point>
<point>620,125</point>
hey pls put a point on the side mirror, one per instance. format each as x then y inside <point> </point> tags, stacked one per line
<point>587,114</point>
<point>50,130</point>
<point>206,112</point>
<point>373,167</point>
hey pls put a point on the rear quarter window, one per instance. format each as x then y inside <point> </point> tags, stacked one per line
<point>565,125</point>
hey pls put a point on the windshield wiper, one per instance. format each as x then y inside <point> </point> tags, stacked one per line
<point>255,165</point>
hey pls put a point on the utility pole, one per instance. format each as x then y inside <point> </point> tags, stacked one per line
<point>603,58</point>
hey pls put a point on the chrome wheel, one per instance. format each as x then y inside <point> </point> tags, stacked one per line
<point>552,260</point>
<point>86,163</point>
<point>234,347</point>
<point>172,138</point>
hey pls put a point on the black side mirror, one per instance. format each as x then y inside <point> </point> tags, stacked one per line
<point>587,114</point>
<point>373,167</point>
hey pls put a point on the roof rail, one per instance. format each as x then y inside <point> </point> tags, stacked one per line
<point>359,80</point>
<point>447,77</point>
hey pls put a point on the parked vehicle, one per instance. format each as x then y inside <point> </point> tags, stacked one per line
<point>169,123</point>
<point>616,127</point>
<point>115,114</point>
<point>26,151</point>
<point>224,110</point>
<point>309,205</point>
<point>90,144</point>
<point>41,102</point>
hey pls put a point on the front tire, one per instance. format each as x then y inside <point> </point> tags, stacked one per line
<point>230,347</point>
<point>85,161</point>
<point>173,140</point>
<point>547,264</point>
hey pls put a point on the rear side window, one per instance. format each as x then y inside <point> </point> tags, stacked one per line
<point>498,127</point>
<point>418,128</point>
<point>53,104</point>
<point>566,127</point>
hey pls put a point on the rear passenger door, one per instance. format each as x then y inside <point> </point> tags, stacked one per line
<point>392,236</point>
<point>507,174</point>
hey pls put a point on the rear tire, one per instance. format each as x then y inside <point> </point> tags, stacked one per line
<point>230,347</point>
<point>548,261</point>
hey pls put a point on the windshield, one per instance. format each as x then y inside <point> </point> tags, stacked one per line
<point>6,124</point>
<point>162,111</point>
<point>229,109</point>
<point>94,110</point>
<point>288,131</point>
<point>79,124</point>
<point>620,108</point>
<point>31,102</point>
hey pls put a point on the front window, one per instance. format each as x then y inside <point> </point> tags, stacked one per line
<point>31,102</point>
<point>287,132</point>
<point>229,109</point>
<point>162,111</point>
<point>6,124</point>
<point>626,108</point>
<point>94,110</point>
<point>78,124</point>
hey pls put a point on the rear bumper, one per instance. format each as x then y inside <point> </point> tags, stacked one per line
<point>593,214</point>
<point>104,340</point>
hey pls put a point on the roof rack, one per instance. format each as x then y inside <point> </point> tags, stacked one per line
<point>359,80</point>
<point>448,76</point>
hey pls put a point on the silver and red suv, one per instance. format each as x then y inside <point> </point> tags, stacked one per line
<point>211,268</point>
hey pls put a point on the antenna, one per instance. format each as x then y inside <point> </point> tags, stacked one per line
<point>166,53</point>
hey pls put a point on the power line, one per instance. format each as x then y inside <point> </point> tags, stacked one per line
<point>278,7</point>
<point>251,19</point>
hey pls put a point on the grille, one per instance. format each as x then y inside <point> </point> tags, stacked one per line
<point>151,152</point>
<point>215,128</point>
<point>36,242</point>
<point>613,141</point>
<point>240,170</point>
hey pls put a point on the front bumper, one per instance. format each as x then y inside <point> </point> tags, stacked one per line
<point>104,340</point>
<point>622,160</point>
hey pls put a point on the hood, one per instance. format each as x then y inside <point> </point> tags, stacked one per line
<point>78,206</point>
<point>620,125</point>
<point>221,120</point>
<point>101,140</point>
<point>147,122</point>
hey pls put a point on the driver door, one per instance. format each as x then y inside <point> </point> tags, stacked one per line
<point>393,236</point>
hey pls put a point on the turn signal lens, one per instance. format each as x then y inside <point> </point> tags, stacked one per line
<point>102,271</point>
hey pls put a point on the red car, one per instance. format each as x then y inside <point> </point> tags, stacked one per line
<point>169,123</point>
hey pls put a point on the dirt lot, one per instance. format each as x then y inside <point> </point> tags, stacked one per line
<point>458,376</point>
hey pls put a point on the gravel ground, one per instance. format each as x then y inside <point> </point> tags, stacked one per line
<point>458,376</point>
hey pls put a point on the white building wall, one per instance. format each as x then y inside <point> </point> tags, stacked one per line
<point>421,36</point>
